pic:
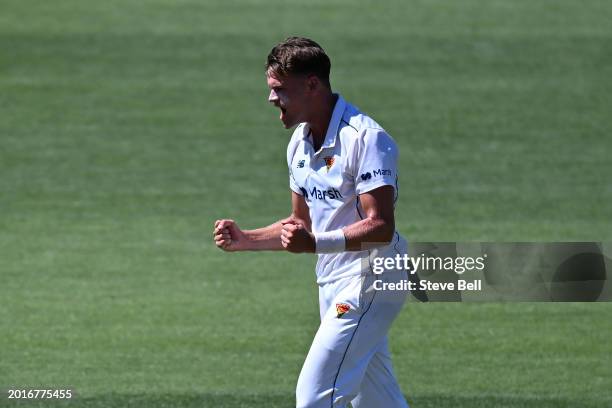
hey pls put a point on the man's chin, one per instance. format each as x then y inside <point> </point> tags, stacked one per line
<point>287,124</point>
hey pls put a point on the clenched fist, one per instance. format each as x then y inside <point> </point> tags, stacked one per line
<point>295,237</point>
<point>228,236</point>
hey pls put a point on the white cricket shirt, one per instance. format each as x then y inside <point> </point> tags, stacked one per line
<point>356,156</point>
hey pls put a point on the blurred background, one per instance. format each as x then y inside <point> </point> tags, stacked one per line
<point>128,127</point>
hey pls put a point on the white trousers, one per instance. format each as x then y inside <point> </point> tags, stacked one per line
<point>349,359</point>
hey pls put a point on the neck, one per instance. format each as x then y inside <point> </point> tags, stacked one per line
<point>321,117</point>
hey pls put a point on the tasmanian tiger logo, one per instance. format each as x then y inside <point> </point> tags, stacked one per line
<point>329,161</point>
<point>341,309</point>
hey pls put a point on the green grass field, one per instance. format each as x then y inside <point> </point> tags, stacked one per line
<point>128,127</point>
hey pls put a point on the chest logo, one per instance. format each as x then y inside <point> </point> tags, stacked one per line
<point>300,164</point>
<point>329,161</point>
<point>318,194</point>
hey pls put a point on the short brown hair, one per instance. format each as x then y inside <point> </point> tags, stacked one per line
<point>299,55</point>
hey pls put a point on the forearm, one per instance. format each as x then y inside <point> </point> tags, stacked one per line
<point>368,232</point>
<point>266,238</point>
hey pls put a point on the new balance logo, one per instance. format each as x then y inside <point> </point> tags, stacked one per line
<point>300,164</point>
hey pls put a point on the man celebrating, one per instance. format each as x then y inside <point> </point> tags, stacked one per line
<point>343,179</point>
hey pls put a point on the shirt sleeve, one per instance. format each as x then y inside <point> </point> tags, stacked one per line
<point>376,161</point>
<point>293,185</point>
<point>290,153</point>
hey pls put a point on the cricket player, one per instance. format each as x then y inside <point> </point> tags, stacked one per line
<point>343,181</point>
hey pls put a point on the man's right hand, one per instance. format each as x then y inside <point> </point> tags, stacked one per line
<point>228,236</point>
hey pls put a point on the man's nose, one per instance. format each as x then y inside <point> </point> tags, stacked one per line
<point>273,97</point>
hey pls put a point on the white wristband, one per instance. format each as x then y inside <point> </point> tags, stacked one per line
<point>330,242</point>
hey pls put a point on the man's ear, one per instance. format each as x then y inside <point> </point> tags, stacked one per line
<point>312,82</point>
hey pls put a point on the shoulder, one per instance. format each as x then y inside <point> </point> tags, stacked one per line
<point>296,138</point>
<point>360,129</point>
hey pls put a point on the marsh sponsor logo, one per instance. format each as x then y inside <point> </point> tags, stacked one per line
<point>375,173</point>
<point>318,194</point>
<point>381,172</point>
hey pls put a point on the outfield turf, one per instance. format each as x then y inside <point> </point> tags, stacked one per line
<point>128,127</point>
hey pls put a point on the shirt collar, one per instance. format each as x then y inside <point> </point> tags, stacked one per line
<point>334,123</point>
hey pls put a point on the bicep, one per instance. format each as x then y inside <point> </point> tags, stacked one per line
<point>378,203</point>
<point>299,208</point>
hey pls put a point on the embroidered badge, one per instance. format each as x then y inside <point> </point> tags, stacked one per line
<point>342,308</point>
<point>329,161</point>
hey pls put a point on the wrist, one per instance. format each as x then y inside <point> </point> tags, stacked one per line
<point>249,242</point>
<point>330,242</point>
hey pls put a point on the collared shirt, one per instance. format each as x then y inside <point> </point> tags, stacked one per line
<point>356,156</point>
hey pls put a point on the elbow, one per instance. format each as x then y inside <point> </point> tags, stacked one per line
<point>386,231</point>
<point>389,232</point>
